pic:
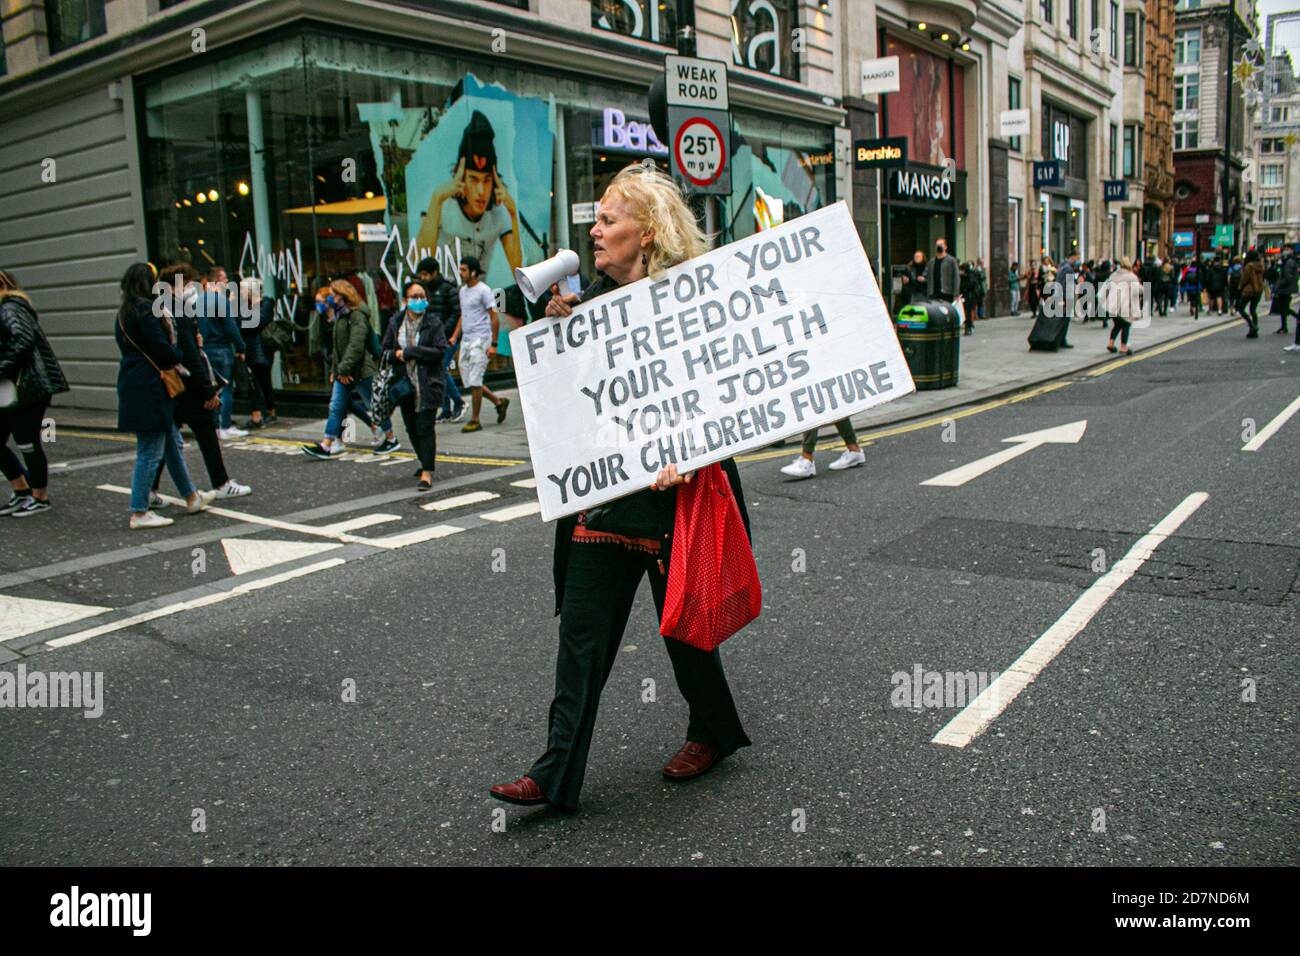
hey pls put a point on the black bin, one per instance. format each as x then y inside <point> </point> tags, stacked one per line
<point>930,334</point>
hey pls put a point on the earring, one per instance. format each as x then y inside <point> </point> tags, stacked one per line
<point>644,260</point>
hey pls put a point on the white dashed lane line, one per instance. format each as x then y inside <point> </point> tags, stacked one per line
<point>460,501</point>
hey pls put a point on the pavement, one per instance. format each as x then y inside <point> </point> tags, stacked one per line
<point>334,670</point>
<point>994,361</point>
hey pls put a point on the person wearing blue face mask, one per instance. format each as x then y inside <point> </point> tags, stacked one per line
<point>351,367</point>
<point>416,342</point>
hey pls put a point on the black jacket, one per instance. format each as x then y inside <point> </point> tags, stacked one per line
<point>255,352</point>
<point>444,302</point>
<point>25,354</point>
<point>200,384</point>
<point>143,404</point>
<point>424,358</point>
<point>1286,277</point>
<point>652,511</point>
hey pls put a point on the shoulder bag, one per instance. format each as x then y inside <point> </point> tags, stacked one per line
<point>171,378</point>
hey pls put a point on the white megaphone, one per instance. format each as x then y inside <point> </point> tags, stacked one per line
<point>536,279</point>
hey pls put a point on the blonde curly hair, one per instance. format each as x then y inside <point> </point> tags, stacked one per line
<point>657,205</point>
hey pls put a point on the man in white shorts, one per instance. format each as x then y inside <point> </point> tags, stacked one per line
<point>477,333</point>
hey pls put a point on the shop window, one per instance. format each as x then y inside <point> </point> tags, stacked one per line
<point>1013,103</point>
<point>762,34</point>
<point>316,156</point>
<point>69,22</point>
<point>781,170</point>
<point>1187,46</point>
<point>650,20</point>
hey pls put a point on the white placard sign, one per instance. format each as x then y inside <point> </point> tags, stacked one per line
<point>880,76</point>
<point>1013,123</point>
<point>764,338</point>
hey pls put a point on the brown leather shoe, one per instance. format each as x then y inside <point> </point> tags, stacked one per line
<point>524,791</point>
<point>691,761</point>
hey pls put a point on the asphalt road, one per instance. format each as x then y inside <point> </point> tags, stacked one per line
<point>1134,745</point>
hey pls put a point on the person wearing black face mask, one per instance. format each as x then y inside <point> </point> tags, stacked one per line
<point>944,279</point>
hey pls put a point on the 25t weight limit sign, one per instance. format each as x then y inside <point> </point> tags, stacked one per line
<point>700,146</point>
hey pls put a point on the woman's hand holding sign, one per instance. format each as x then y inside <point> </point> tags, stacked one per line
<point>669,477</point>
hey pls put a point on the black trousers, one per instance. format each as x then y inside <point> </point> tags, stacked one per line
<point>264,398</point>
<point>1120,331</point>
<point>203,424</point>
<point>419,425</point>
<point>24,423</point>
<point>1248,306</point>
<point>600,587</point>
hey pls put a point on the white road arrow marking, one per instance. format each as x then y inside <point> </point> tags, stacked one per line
<point>253,554</point>
<point>1061,434</point>
<point>22,615</point>
<point>1269,430</point>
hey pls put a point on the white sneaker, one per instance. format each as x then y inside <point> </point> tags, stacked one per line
<point>201,503</point>
<point>149,520</point>
<point>232,489</point>
<point>801,467</point>
<point>849,459</point>
<point>1291,348</point>
<point>156,500</point>
<point>231,432</point>
<point>338,448</point>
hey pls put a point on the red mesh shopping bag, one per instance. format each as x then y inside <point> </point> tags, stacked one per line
<point>713,588</point>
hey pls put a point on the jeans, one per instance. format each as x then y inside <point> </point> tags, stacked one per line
<point>353,398</point>
<point>1015,301</point>
<point>150,448</point>
<point>452,402</point>
<point>223,363</point>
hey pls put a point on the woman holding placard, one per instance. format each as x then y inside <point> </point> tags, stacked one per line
<point>643,228</point>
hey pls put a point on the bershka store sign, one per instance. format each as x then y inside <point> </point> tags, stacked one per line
<point>616,131</point>
<point>912,184</point>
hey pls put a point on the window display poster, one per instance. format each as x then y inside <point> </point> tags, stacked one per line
<point>478,183</point>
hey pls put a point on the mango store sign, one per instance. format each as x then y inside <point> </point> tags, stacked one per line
<point>756,341</point>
